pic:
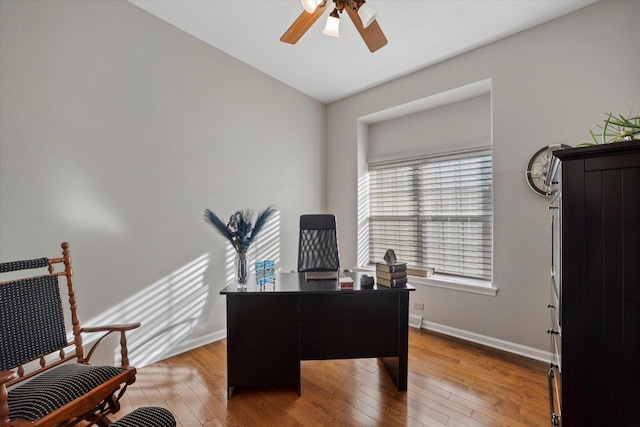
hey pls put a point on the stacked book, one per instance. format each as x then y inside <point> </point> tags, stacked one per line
<point>420,271</point>
<point>391,275</point>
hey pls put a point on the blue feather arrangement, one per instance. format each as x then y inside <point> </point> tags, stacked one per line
<point>240,231</point>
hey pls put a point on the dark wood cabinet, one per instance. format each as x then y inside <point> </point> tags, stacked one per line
<point>599,323</point>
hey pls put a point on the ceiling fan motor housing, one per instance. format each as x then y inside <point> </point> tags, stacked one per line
<point>352,4</point>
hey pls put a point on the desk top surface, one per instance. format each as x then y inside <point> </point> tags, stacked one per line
<point>296,283</point>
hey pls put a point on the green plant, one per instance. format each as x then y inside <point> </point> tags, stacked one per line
<point>616,129</point>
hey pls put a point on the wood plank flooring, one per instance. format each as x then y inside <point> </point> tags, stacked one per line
<point>451,383</point>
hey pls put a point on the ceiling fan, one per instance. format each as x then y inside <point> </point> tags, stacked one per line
<point>362,15</point>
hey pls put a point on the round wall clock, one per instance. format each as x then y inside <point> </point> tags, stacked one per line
<point>539,168</point>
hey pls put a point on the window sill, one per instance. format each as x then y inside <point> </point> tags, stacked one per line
<point>463,284</point>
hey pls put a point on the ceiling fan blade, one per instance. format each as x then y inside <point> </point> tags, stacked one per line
<point>372,35</point>
<point>302,24</point>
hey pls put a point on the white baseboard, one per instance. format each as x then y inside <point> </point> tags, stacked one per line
<point>519,349</point>
<point>414,321</point>
<point>190,345</point>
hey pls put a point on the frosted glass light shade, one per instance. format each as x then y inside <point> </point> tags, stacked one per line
<point>367,14</point>
<point>310,5</point>
<point>333,27</point>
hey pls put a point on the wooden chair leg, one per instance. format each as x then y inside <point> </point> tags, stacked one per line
<point>98,420</point>
<point>113,404</point>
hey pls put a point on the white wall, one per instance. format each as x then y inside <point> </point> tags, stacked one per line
<point>116,132</point>
<point>549,85</point>
<point>432,130</point>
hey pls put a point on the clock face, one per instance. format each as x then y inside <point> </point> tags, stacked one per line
<point>539,170</point>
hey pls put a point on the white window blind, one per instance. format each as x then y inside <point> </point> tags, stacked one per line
<point>434,212</point>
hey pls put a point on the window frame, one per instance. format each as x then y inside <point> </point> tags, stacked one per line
<point>477,284</point>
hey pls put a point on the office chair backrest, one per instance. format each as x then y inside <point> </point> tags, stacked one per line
<point>318,244</point>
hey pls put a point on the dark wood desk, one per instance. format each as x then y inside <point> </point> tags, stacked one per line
<point>271,328</point>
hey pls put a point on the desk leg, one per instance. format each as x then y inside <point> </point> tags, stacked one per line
<point>398,367</point>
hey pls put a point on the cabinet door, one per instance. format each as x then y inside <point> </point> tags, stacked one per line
<point>630,349</point>
<point>606,310</point>
<point>263,340</point>
<point>611,290</point>
<point>349,325</point>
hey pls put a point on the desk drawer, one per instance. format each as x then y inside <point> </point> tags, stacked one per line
<point>349,325</point>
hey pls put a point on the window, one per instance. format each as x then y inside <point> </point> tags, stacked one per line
<point>434,212</point>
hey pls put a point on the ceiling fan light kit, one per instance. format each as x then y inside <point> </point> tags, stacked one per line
<point>367,14</point>
<point>332,28</point>
<point>310,5</point>
<point>362,15</point>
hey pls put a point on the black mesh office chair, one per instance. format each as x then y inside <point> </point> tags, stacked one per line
<point>318,244</point>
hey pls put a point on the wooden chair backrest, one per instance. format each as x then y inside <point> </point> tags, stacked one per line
<point>69,350</point>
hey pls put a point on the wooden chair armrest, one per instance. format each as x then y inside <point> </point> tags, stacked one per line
<point>6,376</point>
<point>111,328</point>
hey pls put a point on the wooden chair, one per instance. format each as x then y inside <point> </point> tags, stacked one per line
<point>33,341</point>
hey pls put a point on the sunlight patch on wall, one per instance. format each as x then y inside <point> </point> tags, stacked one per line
<point>267,245</point>
<point>167,309</point>
<point>363,220</point>
<point>84,210</point>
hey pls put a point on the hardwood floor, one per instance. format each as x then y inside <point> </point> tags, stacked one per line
<point>451,383</point>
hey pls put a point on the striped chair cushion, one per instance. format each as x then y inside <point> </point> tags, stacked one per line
<point>55,388</point>
<point>151,416</point>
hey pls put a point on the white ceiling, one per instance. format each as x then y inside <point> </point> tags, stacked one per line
<point>420,33</point>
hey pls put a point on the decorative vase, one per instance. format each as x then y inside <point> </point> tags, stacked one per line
<point>242,269</point>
